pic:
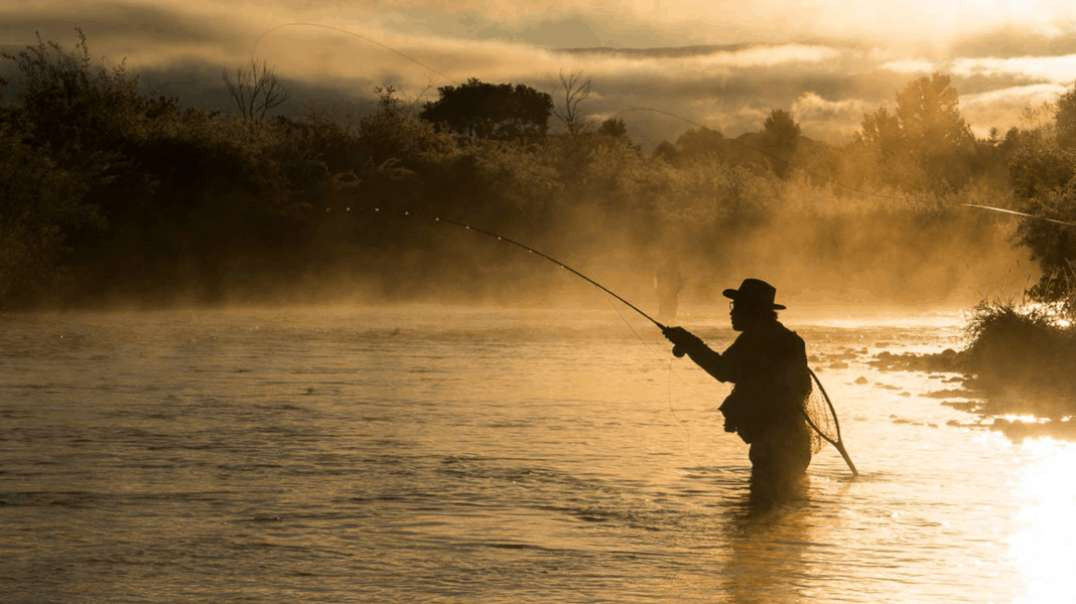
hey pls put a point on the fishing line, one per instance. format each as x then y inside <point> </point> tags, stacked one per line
<point>833,437</point>
<point>831,412</point>
<point>445,79</point>
<point>531,250</point>
<point>685,434</point>
<point>1017,213</point>
<point>368,40</point>
<point>788,163</point>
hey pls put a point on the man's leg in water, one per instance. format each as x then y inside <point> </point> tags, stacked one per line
<point>779,463</point>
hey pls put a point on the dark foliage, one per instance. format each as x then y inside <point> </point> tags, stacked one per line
<point>1042,168</point>
<point>482,110</point>
<point>1023,354</point>
<point>1053,246</point>
<point>112,194</point>
<point>780,136</point>
<point>614,127</point>
<point>1065,121</point>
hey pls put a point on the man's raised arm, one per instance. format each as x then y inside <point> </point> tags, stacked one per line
<point>685,342</point>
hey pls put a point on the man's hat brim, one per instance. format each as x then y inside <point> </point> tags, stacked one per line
<point>733,294</point>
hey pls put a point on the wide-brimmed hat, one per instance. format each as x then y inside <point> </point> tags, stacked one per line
<point>754,293</point>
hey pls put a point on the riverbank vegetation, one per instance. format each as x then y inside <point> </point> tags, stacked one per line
<point>1018,362</point>
<point>1022,360</point>
<point>1020,357</point>
<point>113,195</point>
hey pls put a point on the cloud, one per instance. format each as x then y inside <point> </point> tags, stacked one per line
<point>1012,41</point>
<point>827,64</point>
<point>914,66</point>
<point>1053,68</point>
<point>1004,108</point>
<point>133,28</point>
<point>826,118</point>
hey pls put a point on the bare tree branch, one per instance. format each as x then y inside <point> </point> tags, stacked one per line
<point>575,89</point>
<point>255,91</point>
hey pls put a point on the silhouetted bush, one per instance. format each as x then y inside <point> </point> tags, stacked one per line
<point>40,205</point>
<point>1023,359</point>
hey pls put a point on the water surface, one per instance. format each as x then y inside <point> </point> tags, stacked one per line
<point>430,454</point>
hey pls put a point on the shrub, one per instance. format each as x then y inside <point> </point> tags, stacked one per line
<point>1022,354</point>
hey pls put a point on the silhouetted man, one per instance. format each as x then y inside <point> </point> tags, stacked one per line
<point>768,365</point>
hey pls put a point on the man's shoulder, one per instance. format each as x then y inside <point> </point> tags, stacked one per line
<point>789,337</point>
<point>780,328</point>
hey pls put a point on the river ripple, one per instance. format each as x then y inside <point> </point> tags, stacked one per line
<point>428,454</point>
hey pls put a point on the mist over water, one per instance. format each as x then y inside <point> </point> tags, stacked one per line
<point>123,198</point>
<point>254,357</point>
<point>437,453</point>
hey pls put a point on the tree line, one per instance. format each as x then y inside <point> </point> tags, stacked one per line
<point>108,193</point>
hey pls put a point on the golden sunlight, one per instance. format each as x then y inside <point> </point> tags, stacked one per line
<point>272,326</point>
<point>1043,546</point>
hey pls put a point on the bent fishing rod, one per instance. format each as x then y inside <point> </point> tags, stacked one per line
<point>554,261</point>
<point>834,439</point>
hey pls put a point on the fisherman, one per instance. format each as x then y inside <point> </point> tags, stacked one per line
<point>768,365</point>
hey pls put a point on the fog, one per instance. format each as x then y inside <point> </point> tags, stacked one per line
<point>285,308</point>
<point>125,198</point>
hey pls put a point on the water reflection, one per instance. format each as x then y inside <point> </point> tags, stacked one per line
<point>766,561</point>
<point>1043,546</point>
<point>494,457</point>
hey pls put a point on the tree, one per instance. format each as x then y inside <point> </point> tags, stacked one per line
<point>481,110</point>
<point>780,135</point>
<point>881,132</point>
<point>925,142</point>
<point>255,91</point>
<point>1065,120</point>
<point>667,152</point>
<point>71,103</point>
<point>613,127</point>
<point>42,203</point>
<point>1053,247</point>
<point>929,114</point>
<point>1036,165</point>
<point>700,142</point>
<point>394,139</point>
<point>575,90</point>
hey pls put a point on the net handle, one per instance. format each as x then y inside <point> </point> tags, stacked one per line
<point>839,443</point>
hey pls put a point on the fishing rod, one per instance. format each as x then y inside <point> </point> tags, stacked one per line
<point>826,425</point>
<point>676,351</point>
<point>1018,213</point>
<point>531,250</point>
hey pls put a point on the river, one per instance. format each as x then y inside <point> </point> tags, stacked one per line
<point>433,454</point>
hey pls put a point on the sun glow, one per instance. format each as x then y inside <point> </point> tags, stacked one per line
<point>1043,546</point>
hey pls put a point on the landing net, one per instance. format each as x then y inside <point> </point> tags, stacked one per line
<point>822,417</point>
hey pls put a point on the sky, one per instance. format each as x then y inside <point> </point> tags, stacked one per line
<point>661,66</point>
